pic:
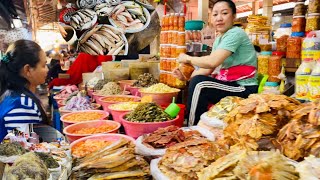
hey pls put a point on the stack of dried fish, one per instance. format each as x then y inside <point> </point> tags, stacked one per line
<point>145,80</point>
<point>254,124</point>
<point>129,16</point>
<point>116,161</point>
<point>83,19</point>
<point>148,112</point>
<point>223,107</point>
<point>103,39</point>
<point>250,165</point>
<point>301,136</point>
<point>183,160</point>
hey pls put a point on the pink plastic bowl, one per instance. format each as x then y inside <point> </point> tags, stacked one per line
<point>136,129</point>
<point>117,113</point>
<point>108,137</point>
<point>63,112</point>
<point>68,131</point>
<point>105,103</point>
<point>96,96</point>
<point>61,103</point>
<point>135,91</point>
<point>67,123</point>
<point>126,83</point>
<point>161,98</point>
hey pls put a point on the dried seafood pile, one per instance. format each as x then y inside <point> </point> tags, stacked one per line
<point>301,136</point>
<point>148,112</point>
<point>256,121</point>
<point>168,136</point>
<point>250,165</point>
<point>223,107</point>
<point>145,80</point>
<point>116,161</point>
<point>103,39</point>
<point>83,19</point>
<point>111,88</point>
<point>100,84</point>
<point>12,149</point>
<point>183,160</point>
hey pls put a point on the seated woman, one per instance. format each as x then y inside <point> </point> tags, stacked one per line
<point>22,69</point>
<point>230,69</point>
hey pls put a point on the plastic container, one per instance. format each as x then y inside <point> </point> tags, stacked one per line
<point>302,78</point>
<point>176,22</point>
<point>105,103</point>
<point>274,66</point>
<point>161,98</point>
<point>311,48</point>
<point>68,131</point>
<point>136,129</point>
<point>181,49</point>
<point>165,22</point>
<point>173,50</point>
<point>181,39</point>
<point>298,24</point>
<point>271,88</point>
<point>313,22</point>
<point>108,137</point>
<point>170,36</point>
<point>263,62</point>
<point>126,84</point>
<point>294,44</point>
<point>182,21</point>
<point>174,64</point>
<point>175,37</point>
<point>299,9</point>
<point>164,37</point>
<point>265,47</point>
<point>66,123</point>
<point>285,29</point>
<point>282,43</point>
<point>135,91</point>
<point>171,19</point>
<point>314,83</point>
<point>194,25</point>
<point>314,6</point>
<point>186,70</point>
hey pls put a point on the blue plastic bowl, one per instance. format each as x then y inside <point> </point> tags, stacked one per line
<point>194,25</point>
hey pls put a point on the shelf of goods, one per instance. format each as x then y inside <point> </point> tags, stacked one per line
<point>172,43</point>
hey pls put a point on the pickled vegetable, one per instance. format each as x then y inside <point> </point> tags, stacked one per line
<point>147,112</point>
<point>313,22</point>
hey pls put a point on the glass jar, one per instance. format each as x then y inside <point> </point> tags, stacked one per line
<point>164,37</point>
<point>175,37</point>
<point>188,36</point>
<point>170,36</point>
<point>173,49</point>
<point>176,22</point>
<point>181,23</point>
<point>274,66</point>
<point>282,43</point>
<point>181,38</point>
<point>171,18</point>
<point>181,49</point>
<point>294,45</point>
<point>263,62</point>
<point>314,6</point>
<point>165,22</point>
<point>298,24</point>
<point>299,9</point>
<point>313,22</point>
<point>174,64</point>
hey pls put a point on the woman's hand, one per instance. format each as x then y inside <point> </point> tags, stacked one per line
<point>178,74</point>
<point>183,58</point>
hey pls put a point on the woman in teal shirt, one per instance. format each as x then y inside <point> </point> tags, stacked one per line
<point>230,69</point>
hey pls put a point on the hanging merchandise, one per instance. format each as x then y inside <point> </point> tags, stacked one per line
<point>314,83</point>
<point>263,62</point>
<point>302,78</point>
<point>274,66</point>
<point>313,22</point>
<point>298,24</point>
<point>294,45</point>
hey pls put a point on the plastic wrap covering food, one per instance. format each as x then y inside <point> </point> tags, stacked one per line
<point>145,80</point>
<point>314,6</point>
<point>111,88</point>
<point>78,103</point>
<point>159,88</point>
<point>257,23</point>
<point>148,112</point>
<point>313,22</point>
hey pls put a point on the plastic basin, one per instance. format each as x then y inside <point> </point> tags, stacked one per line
<point>181,114</point>
<point>108,137</point>
<point>126,83</point>
<point>117,113</point>
<point>68,131</point>
<point>135,91</point>
<point>194,25</point>
<point>63,112</point>
<point>66,123</point>
<point>96,96</point>
<point>161,98</point>
<point>105,103</point>
<point>136,129</point>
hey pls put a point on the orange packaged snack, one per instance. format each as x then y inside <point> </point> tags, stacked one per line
<point>186,70</point>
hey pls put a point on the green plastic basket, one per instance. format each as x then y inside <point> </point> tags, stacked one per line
<point>194,25</point>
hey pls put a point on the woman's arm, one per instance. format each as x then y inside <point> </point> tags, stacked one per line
<point>202,71</point>
<point>206,62</point>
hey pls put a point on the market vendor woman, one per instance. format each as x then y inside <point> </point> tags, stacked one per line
<point>230,69</point>
<point>22,69</point>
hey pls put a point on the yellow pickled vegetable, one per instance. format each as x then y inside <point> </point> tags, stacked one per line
<point>125,106</point>
<point>159,88</point>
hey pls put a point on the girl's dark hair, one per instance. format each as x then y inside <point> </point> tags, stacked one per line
<point>19,54</point>
<point>230,3</point>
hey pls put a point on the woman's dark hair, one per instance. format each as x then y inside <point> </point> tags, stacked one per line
<point>19,54</point>
<point>230,3</point>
